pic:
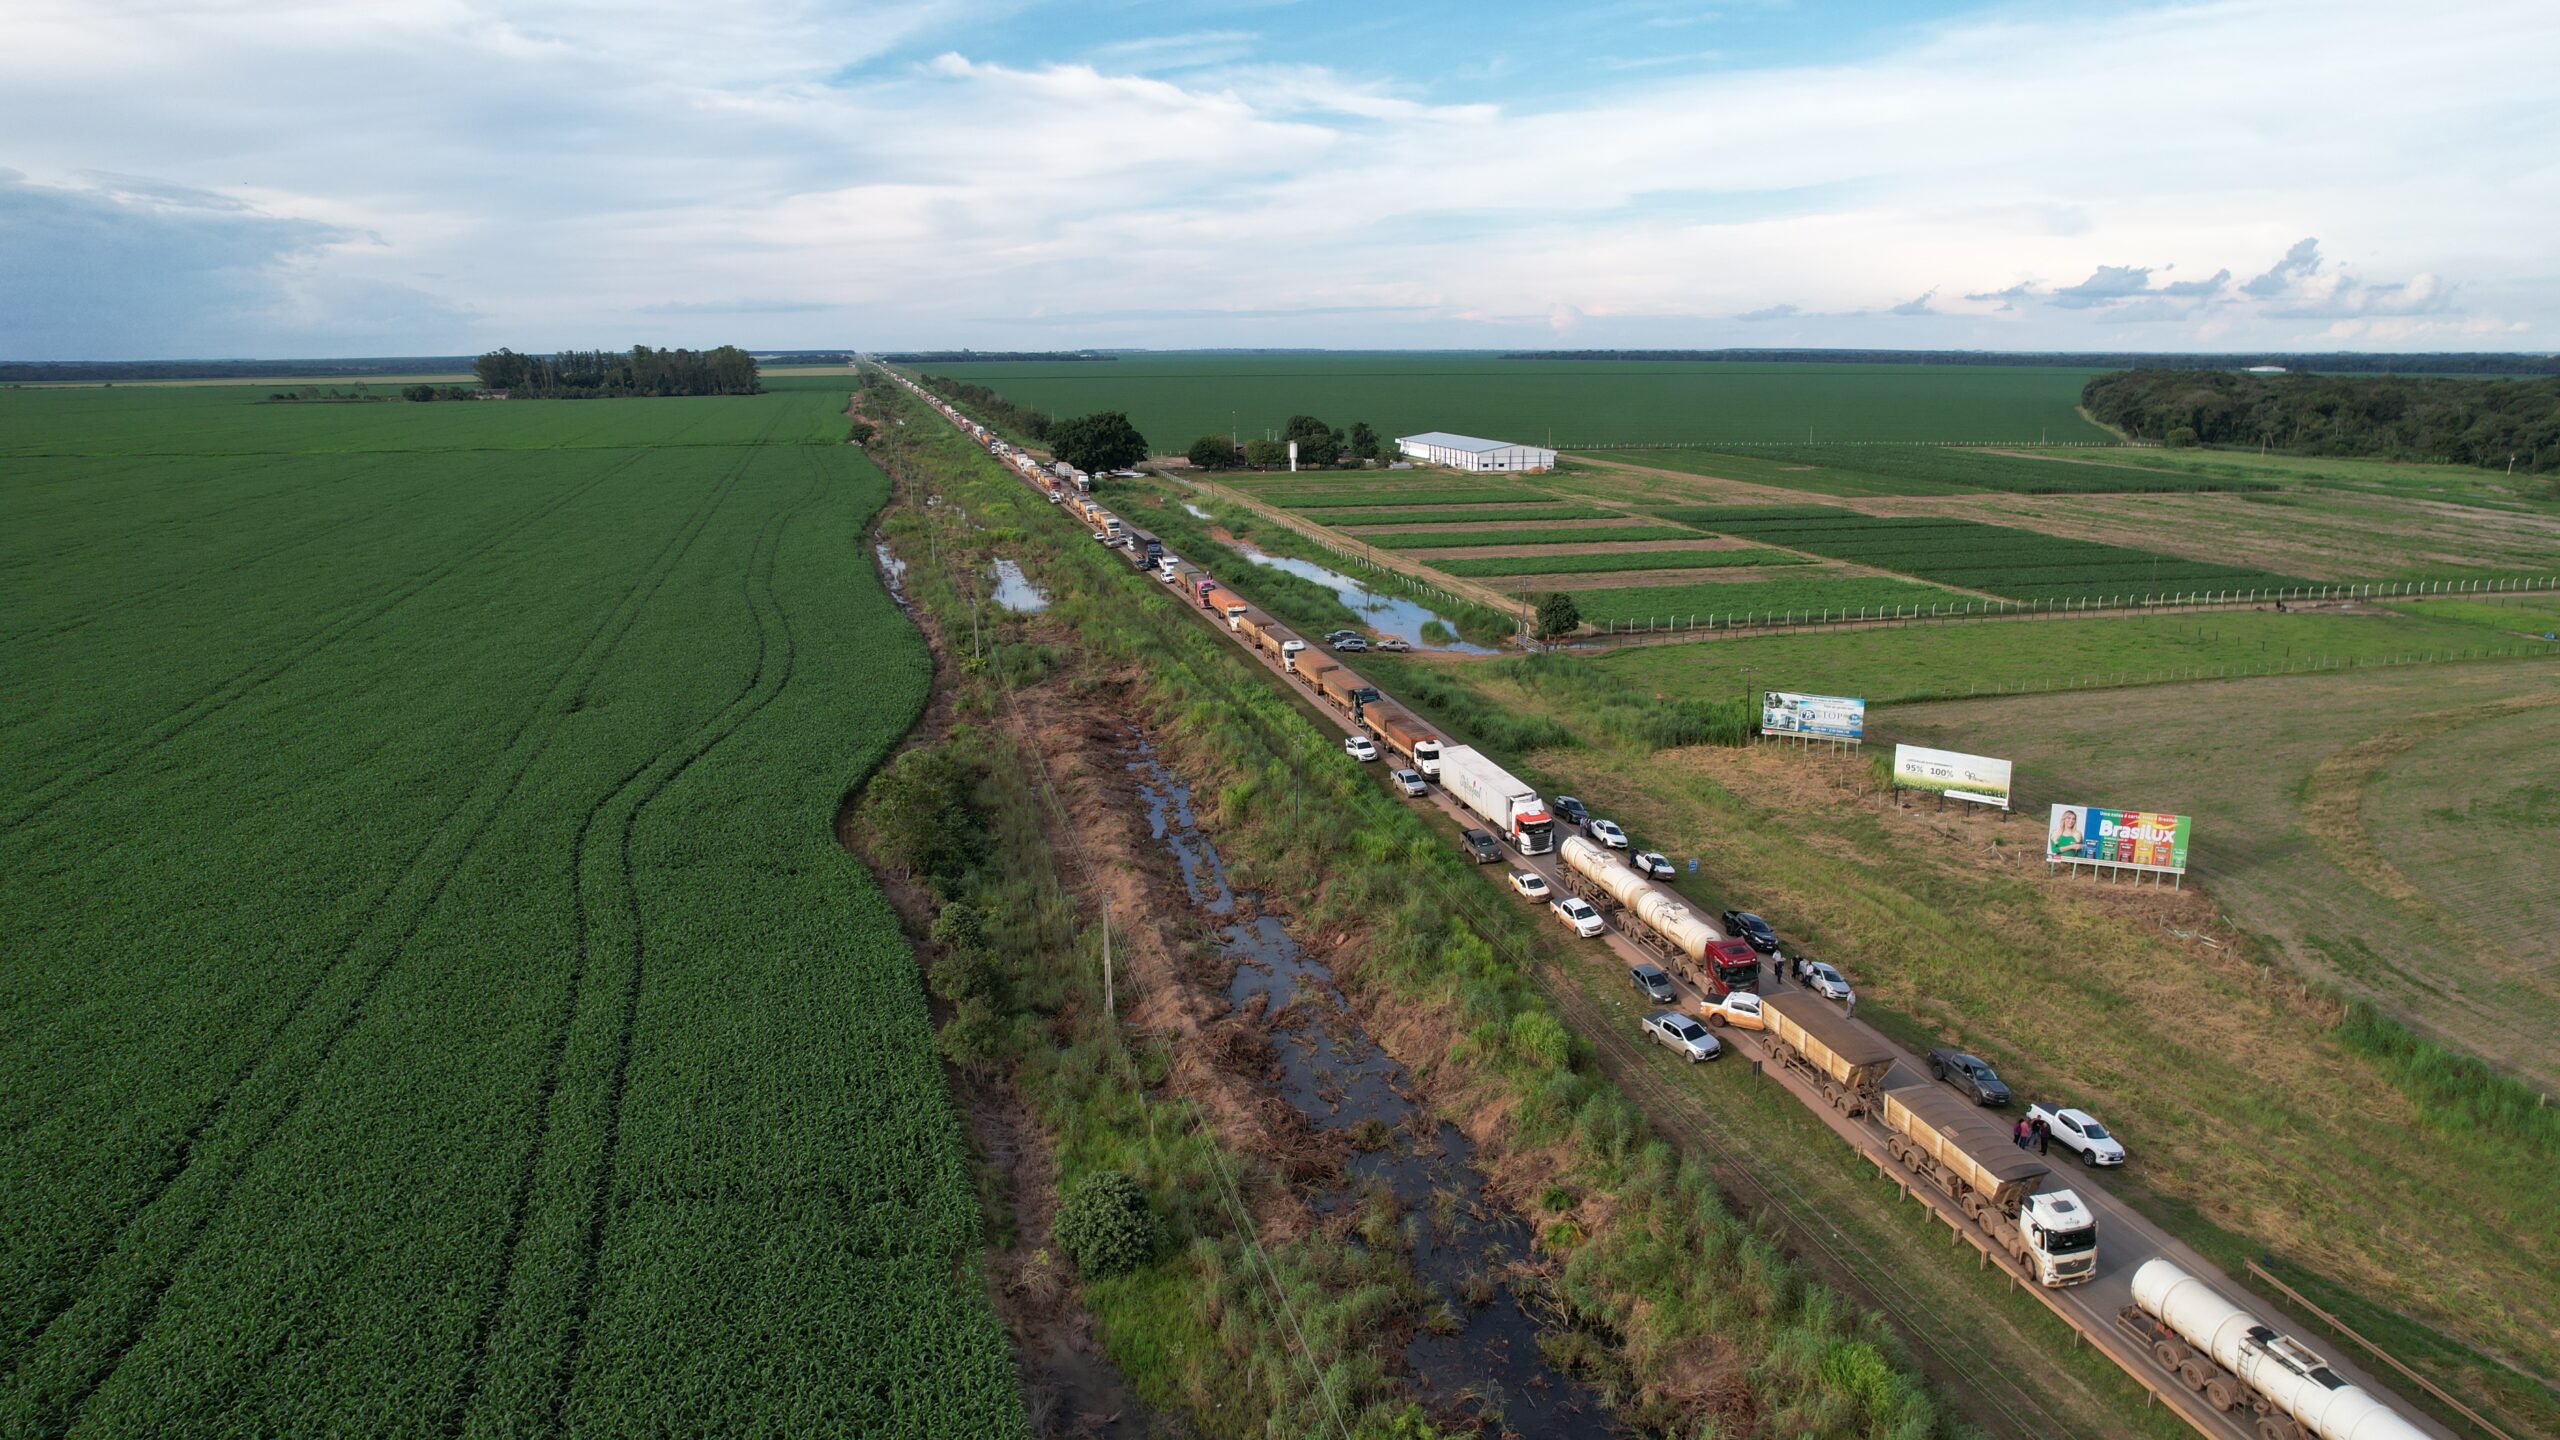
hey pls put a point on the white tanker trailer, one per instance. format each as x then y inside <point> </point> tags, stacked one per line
<point>1669,927</point>
<point>2235,1361</point>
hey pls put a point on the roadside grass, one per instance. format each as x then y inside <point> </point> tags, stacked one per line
<point>1463,539</point>
<point>2082,991</point>
<point>1868,470</point>
<point>2534,613</point>
<point>1743,557</point>
<point>1955,659</point>
<point>1748,602</point>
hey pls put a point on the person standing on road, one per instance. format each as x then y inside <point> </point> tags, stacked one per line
<point>2044,1137</point>
<point>1777,971</point>
<point>2019,1136</point>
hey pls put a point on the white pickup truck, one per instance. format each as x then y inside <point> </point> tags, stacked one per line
<point>2079,1132</point>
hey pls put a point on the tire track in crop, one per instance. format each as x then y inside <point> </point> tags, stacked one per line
<point>258,674</point>
<point>554,705</point>
<point>771,674</point>
<point>132,598</point>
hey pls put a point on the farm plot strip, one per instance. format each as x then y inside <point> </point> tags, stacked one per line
<point>1463,539</point>
<point>1873,470</point>
<point>1993,559</point>
<point>1459,514</point>
<point>1754,601</point>
<point>1683,558</point>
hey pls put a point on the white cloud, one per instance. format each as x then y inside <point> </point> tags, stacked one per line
<point>636,167</point>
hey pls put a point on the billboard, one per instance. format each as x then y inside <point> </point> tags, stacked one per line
<point>1816,717</point>
<point>2131,839</point>
<point>1956,775</point>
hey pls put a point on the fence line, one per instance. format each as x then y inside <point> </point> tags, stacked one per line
<point>2069,605</point>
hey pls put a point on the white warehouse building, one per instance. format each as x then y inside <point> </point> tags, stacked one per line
<point>1466,452</point>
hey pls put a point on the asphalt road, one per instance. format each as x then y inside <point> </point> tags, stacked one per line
<point>2126,1239</point>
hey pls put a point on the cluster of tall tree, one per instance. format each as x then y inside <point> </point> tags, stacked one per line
<point>1320,447</point>
<point>2343,362</point>
<point>1019,421</point>
<point>1101,441</point>
<point>586,374</point>
<point>2396,417</point>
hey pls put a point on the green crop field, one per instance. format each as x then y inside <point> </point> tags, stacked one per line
<point>1756,601</point>
<point>1593,535</point>
<point>1176,398</point>
<point>1932,662</point>
<point>436,1001</point>
<point>1461,516</point>
<point>1861,470</point>
<point>1992,559</point>
<point>1610,562</point>
<point>1390,489</point>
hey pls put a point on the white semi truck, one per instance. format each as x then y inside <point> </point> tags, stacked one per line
<point>1506,803</point>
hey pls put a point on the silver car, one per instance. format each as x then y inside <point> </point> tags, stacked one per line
<point>1683,1035</point>
<point>1410,781</point>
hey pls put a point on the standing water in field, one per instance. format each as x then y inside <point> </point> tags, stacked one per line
<point>1015,592</point>
<point>1484,1359</point>
<point>1389,615</point>
<point>893,572</point>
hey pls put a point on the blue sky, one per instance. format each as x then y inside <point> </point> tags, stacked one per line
<point>294,177</point>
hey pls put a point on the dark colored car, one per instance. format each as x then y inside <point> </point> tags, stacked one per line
<point>1481,846</point>
<point>1571,811</point>
<point>1970,1074</point>
<point>1751,930</point>
<point>1655,982</point>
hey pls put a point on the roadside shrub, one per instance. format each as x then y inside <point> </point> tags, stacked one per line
<point>2183,438</point>
<point>1107,1226</point>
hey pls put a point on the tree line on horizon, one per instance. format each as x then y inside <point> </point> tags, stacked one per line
<point>2492,423</point>
<point>639,371</point>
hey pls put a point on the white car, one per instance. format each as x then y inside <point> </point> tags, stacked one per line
<point>1578,915</point>
<point>2079,1132</point>
<point>1685,1036</point>
<point>1822,980</point>
<point>1608,833</point>
<point>1530,884</point>
<point>1737,1008</point>
<point>1653,863</point>
<point>1410,781</point>
<point>1360,747</point>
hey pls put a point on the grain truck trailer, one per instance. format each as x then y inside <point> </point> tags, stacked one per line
<point>1845,1060</point>
<point>1406,735</point>
<point>1346,691</point>
<point>1504,802</point>
<point>2239,1363</point>
<point>1944,1140</point>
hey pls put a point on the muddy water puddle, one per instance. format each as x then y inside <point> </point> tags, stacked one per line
<point>893,572</point>
<point>1461,1240</point>
<point>1015,592</point>
<point>1390,615</point>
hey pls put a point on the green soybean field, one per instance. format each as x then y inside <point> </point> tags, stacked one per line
<point>436,1001</point>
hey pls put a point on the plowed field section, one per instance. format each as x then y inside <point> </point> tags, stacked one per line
<point>436,1003</point>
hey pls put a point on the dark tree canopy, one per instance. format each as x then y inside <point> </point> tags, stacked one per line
<point>2397,417</point>
<point>584,374</point>
<point>1558,615</point>
<point>1265,454</point>
<point>1104,440</point>
<point>1319,445</point>
<point>1364,444</point>
<point>1211,452</point>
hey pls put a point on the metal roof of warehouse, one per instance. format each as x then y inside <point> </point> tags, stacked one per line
<point>1447,441</point>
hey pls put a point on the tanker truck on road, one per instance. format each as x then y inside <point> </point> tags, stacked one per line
<point>1663,922</point>
<point>2238,1362</point>
<point>1507,804</point>
<point>1946,1142</point>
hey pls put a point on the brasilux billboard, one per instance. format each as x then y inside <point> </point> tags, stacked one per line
<point>2130,839</point>
<point>1817,717</point>
<point>1952,773</point>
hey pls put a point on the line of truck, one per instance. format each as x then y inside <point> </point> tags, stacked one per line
<point>1964,1167</point>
